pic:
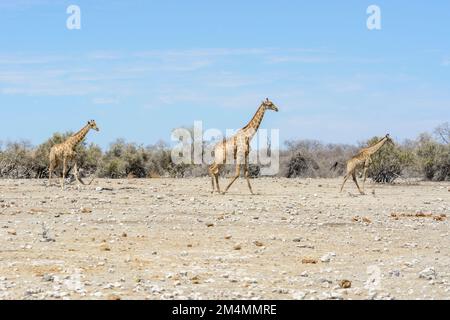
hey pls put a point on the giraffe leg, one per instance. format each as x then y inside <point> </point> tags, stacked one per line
<point>247,175</point>
<point>237,174</point>
<point>211,173</point>
<point>212,183</point>
<point>216,173</point>
<point>53,160</point>
<point>356,182</point>
<point>366,167</point>
<point>364,178</point>
<point>345,180</point>
<point>76,174</point>
<point>64,173</point>
<point>216,177</point>
<point>50,172</point>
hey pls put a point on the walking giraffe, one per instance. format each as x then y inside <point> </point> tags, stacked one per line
<point>65,152</point>
<point>239,147</point>
<point>363,159</point>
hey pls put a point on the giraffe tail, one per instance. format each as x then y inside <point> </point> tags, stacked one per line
<point>334,166</point>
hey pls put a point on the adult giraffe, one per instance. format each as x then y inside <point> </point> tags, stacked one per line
<point>238,146</point>
<point>363,159</point>
<point>65,152</point>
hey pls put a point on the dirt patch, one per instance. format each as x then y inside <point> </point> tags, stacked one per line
<point>172,239</point>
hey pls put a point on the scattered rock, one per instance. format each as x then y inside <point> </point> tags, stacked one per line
<point>36,210</point>
<point>309,261</point>
<point>258,243</point>
<point>345,284</point>
<point>105,247</point>
<point>428,274</point>
<point>327,257</point>
<point>48,278</point>
<point>195,280</point>
<point>103,189</point>
<point>299,295</point>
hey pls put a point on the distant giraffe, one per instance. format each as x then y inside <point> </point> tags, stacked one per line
<point>363,159</point>
<point>239,147</point>
<point>65,152</point>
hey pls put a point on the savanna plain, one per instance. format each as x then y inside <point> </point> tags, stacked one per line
<point>173,239</point>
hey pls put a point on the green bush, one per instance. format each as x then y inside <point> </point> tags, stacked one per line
<point>123,160</point>
<point>425,157</point>
<point>301,166</point>
<point>16,161</point>
<point>389,162</point>
<point>433,158</point>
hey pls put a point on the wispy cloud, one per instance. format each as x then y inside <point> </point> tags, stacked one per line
<point>104,55</point>
<point>297,59</point>
<point>109,71</point>
<point>206,52</point>
<point>26,4</point>
<point>105,101</point>
<point>21,59</point>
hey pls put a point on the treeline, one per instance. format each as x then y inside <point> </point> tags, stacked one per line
<point>426,157</point>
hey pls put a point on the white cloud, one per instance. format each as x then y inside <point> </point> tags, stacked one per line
<point>105,101</point>
<point>297,59</point>
<point>21,59</point>
<point>26,4</point>
<point>104,55</point>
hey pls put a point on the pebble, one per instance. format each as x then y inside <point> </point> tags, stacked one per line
<point>327,257</point>
<point>299,295</point>
<point>345,284</point>
<point>428,274</point>
<point>105,247</point>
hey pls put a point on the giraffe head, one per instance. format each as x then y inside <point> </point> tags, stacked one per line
<point>269,105</point>
<point>389,139</point>
<point>93,125</point>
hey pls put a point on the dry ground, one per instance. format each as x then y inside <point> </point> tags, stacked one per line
<point>172,239</point>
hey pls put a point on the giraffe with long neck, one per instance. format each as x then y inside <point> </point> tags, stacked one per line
<point>238,147</point>
<point>363,159</point>
<point>65,152</point>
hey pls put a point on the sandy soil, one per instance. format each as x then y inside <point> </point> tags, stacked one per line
<point>172,239</point>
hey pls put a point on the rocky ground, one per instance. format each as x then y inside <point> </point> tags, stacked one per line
<point>172,239</point>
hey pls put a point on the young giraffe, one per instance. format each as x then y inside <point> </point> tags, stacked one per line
<point>239,147</point>
<point>363,159</point>
<point>65,152</point>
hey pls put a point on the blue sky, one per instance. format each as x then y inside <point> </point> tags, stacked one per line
<point>143,68</point>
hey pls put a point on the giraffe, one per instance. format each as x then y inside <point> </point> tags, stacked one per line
<point>239,147</point>
<point>65,152</point>
<point>363,159</point>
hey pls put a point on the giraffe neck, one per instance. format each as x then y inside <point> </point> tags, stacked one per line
<point>79,136</point>
<point>252,127</point>
<point>376,146</point>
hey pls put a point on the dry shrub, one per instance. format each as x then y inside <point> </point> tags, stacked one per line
<point>426,157</point>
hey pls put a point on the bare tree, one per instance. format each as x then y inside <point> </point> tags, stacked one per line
<point>443,132</point>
